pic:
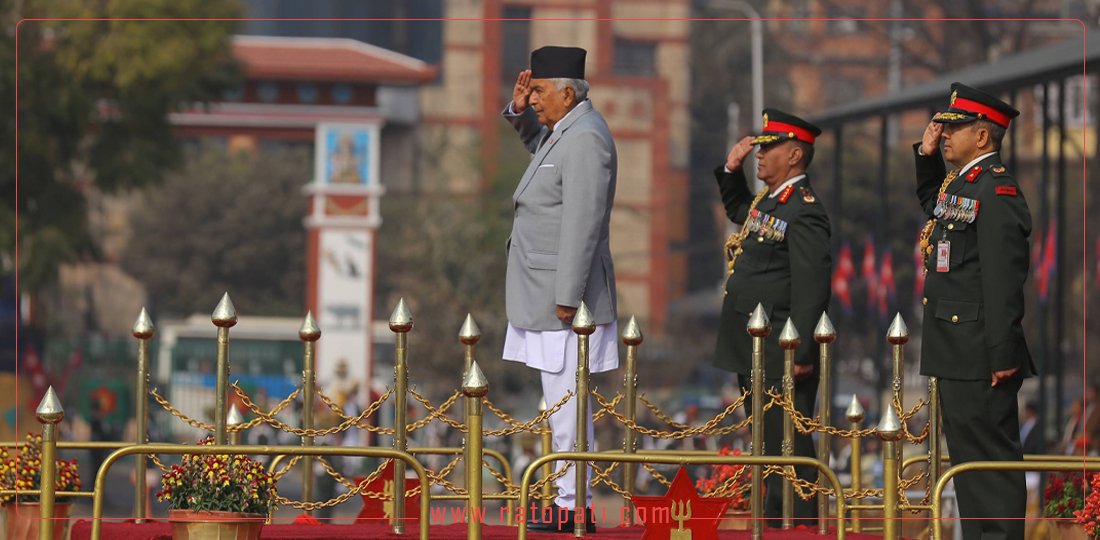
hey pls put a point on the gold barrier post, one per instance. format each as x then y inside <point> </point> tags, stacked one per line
<point>632,337</point>
<point>547,448</point>
<point>758,327</point>
<point>934,450</point>
<point>789,340</point>
<point>309,333</point>
<point>583,326</point>
<point>49,413</point>
<point>474,387</point>
<point>469,335</point>
<point>898,336</point>
<point>224,317</point>
<point>401,322</point>
<point>854,415</point>
<point>143,330</point>
<point>889,430</point>
<point>824,335</point>
<point>234,419</point>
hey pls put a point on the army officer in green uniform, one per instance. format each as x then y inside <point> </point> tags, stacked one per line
<point>976,258</point>
<point>780,259</point>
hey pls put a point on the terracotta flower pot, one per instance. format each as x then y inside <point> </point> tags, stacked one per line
<point>1065,530</point>
<point>207,525</point>
<point>23,520</point>
<point>736,520</point>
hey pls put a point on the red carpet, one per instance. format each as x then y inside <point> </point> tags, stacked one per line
<point>161,530</point>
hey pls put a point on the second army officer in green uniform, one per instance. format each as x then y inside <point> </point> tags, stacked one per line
<point>976,258</point>
<point>780,259</point>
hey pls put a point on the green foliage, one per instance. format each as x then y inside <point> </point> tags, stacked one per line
<point>225,222</point>
<point>94,99</point>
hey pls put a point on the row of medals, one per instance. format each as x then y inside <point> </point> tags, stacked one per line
<point>767,226</point>
<point>956,208</point>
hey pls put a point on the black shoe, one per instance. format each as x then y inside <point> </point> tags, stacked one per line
<point>557,524</point>
<point>589,522</point>
<point>554,524</point>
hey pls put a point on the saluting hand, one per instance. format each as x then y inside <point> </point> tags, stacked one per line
<point>931,141</point>
<point>521,91</point>
<point>738,153</point>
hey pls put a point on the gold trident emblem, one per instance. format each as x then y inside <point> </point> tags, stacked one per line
<point>387,501</point>
<point>681,512</point>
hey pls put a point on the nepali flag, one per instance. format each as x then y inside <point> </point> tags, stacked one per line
<point>887,289</point>
<point>842,276</point>
<point>1048,263</point>
<point>870,274</point>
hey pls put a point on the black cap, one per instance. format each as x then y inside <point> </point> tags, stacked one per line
<point>552,62</point>
<point>780,126</point>
<point>969,104</point>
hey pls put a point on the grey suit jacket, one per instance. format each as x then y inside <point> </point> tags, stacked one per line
<point>558,252</point>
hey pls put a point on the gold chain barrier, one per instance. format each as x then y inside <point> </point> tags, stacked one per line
<point>707,428</point>
<point>893,429</point>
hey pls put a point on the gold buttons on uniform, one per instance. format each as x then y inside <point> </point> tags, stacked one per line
<point>924,300</point>
<point>950,226</point>
<point>954,318</point>
<point>760,239</point>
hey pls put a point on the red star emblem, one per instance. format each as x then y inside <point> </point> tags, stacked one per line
<point>378,510</point>
<point>679,511</point>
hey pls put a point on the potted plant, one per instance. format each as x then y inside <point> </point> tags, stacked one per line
<point>732,482</point>
<point>1089,515</point>
<point>1064,499</point>
<point>217,496</point>
<point>23,471</point>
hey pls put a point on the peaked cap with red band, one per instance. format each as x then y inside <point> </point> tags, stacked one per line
<point>780,126</point>
<point>970,104</point>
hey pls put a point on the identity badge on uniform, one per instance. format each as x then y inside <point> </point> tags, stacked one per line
<point>943,256</point>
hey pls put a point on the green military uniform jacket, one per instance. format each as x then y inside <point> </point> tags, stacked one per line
<point>973,312</point>
<point>789,276</point>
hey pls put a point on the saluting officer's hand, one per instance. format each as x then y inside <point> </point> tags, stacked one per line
<point>1003,375</point>
<point>521,91</point>
<point>931,141</point>
<point>738,153</point>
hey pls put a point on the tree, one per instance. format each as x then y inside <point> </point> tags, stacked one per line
<point>445,255</point>
<point>226,222</point>
<point>94,98</point>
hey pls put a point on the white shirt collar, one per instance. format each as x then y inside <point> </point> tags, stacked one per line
<point>962,172</point>
<point>784,185</point>
<point>558,123</point>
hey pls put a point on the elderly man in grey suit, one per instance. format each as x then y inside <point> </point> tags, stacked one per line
<point>558,252</point>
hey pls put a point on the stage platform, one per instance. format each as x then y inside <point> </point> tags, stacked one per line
<point>161,530</point>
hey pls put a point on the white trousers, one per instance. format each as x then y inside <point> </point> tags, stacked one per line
<point>525,346</point>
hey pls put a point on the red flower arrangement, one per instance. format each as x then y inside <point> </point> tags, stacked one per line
<point>1089,514</point>
<point>1064,495</point>
<point>24,471</point>
<point>728,481</point>
<point>220,483</point>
